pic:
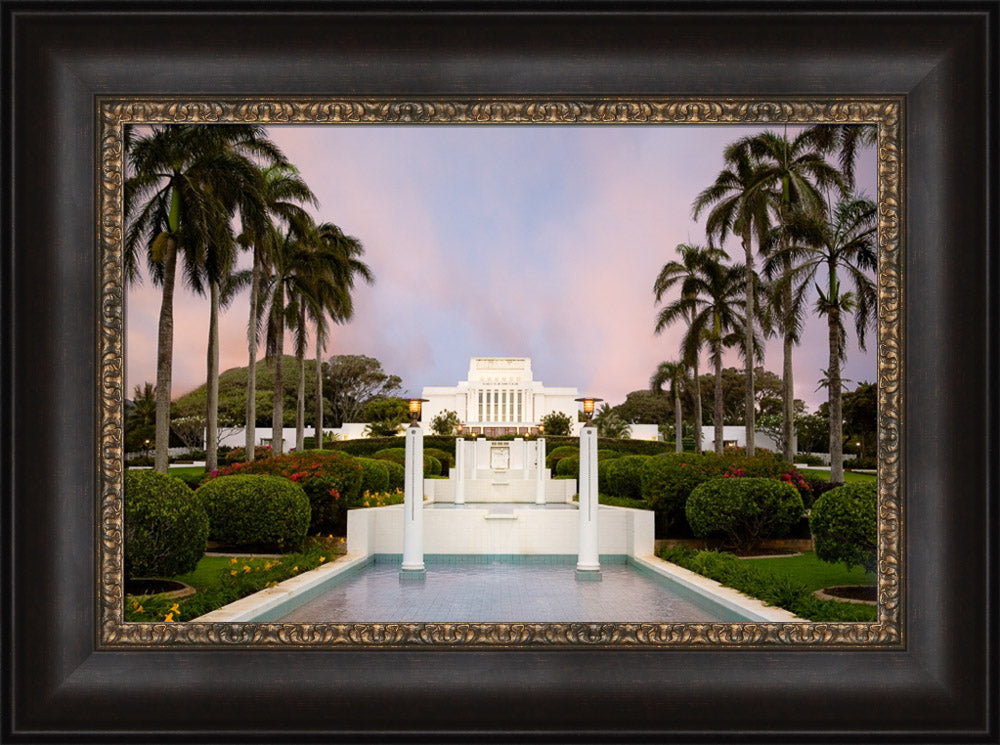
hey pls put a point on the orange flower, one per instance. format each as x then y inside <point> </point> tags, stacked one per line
<point>322,559</point>
<point>169,618</point>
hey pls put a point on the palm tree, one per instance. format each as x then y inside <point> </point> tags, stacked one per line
<point>676,373</point>
<point>740,207</point>
<point>283,192</point>
<point>792,172</point>
<point>846,243</point>
<point>714,300</point>
<point>173,209</point>
<point>332,297</point>
<point>844,141</point>
<point>685,273</point>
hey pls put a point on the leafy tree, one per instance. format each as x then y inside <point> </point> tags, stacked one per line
<point>445,423</point>
<point>386,415</point>
<point>191,430</point>
<point>646,407</point>
<point>557,424</point>
<point>352,381</point>
<point>174,204</point>
<point>847,243</point>
<point>860,411</point>
<point>610,425</point>
<point>140,418</point>
<point>813,432</point>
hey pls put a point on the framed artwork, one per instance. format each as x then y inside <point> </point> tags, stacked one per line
<point>926,78</point>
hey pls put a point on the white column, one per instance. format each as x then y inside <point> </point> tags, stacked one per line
<point>588,566</point>
<point>413,506</point>
<point>460,471</point>
<point>540,471</point>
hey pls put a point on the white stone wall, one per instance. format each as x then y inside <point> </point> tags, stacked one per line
<point>528,531</point>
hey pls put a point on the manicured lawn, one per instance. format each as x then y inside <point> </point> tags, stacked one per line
<point>813,573</point>
<point>782,582</point>
<point>207,574</point>
<point>220,580</point>
<point>849,476</point>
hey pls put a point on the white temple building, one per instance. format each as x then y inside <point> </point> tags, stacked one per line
<point>500,397</point>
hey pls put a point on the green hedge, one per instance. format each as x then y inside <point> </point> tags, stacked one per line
<point>624,476</point>
<point>569,467</point>
<point>557,454</point>
<point>446,459</point>
<point>257,512</point>
<point>432,466</point>
<point>165,527</point>
<point>331,480</point>
<point>666,481</point>
<point>374,475</point>
<point>844,524</point>
<point>625,447</point>
<point>368,446</point>
<point>397,474</point>
<point>774,589</point>
<point>744,510</point>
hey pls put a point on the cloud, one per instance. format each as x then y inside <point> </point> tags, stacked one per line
<point>535,241</point>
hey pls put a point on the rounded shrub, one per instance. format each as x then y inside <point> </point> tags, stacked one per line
<point>397,474</point>
<point>432,466</point>
<point>396,455</point>
<point>744,510</point>
<point>569,467</point>
<point>624,476</point>
<point>374,475</point>
<point>331,480</point>
<point>258,512</point>
<point>558,453</point>
<point>446,459</point>
<point>667,481</point>
<point>844,524</point>
<point>606,454</point>
<point>166,528</point>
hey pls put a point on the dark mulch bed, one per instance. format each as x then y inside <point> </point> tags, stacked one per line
<point>758,552</point>
<point>152,586</point>
<point>853,592</point>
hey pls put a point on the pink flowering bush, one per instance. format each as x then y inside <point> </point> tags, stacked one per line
<point>332,481</point>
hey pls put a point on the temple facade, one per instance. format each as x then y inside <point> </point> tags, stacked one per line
<point>500,397</point>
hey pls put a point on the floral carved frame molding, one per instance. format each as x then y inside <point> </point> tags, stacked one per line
<point>887,632</point>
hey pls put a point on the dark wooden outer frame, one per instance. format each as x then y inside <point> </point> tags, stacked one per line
<point>58,59</point>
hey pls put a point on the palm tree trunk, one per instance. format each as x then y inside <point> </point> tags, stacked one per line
<point>212,382</point>
<point>278,407</point>
<point>678,419</point>
<point>748,414</point>
<point>164,359</point>
<point>300,391</point>
<point>251,417</point>
<point>788,386</point>
<point>697,399</point>
<point>717,357</point>
<point>319,388</point>
<point>836,400</point>
<point>788,402</point>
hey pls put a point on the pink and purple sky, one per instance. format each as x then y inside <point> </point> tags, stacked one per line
<point>537,241</point>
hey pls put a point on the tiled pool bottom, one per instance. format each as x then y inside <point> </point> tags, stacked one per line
<point>499,590</point>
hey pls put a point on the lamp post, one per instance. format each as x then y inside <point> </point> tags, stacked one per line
<point>588,565</point>
<point>413,498</point>
<point>459,470</point>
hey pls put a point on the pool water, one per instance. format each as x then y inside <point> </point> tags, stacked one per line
<point>500,590</point>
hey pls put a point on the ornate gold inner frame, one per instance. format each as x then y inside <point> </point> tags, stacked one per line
<point>886,112</point>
